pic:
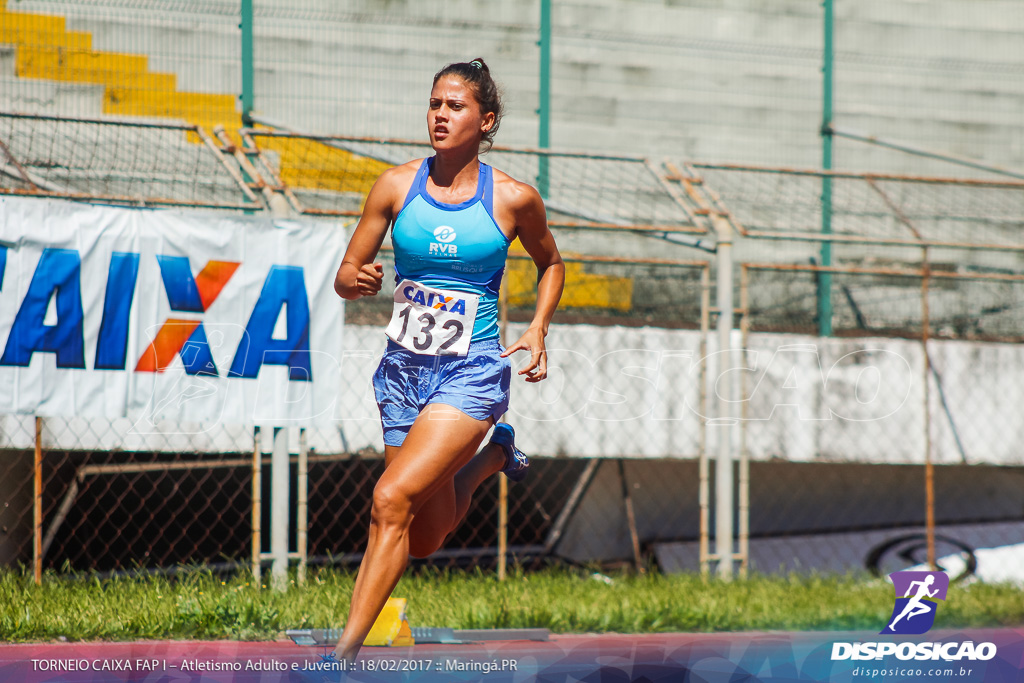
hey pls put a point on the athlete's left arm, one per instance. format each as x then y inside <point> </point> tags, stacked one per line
<point>532,229</point>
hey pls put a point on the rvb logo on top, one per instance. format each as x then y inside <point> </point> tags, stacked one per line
<point>444,235</point>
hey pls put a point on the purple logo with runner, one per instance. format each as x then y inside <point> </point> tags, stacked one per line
<point>916,595</point>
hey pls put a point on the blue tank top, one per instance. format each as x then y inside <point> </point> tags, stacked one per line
<point>453,246</point>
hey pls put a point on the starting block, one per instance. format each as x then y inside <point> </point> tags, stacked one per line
<point>391,629</point>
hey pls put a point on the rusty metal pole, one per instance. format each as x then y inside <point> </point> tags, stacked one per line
<point>744,467</point>
<point>502,481</point>
<point>302,508</point>
<point>37,506</point>
<point>502,528</point>
<point>257,505</point>
<point>634,535</point>
<point>724,459</point>
<point>704,493</point>
<point>929,469</point>
<point>280,485</point>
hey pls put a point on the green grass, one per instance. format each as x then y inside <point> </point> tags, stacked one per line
<point>200,605</point>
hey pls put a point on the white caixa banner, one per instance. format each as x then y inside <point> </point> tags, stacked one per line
<point>156,315</point>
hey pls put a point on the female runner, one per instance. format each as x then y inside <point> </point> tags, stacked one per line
<point>444,380</point>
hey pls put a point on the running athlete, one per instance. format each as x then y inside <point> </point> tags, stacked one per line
<point>444,379</point>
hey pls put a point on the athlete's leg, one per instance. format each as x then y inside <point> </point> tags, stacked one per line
<point>389,454</point>
<point>482,385</point>
<point>431,523</point>
<point>438,511</point>
<point>487,462</point>
<point>440,442</point>
<point>444,511</point>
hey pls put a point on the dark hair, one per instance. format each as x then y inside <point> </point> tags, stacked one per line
<point>477,76</point>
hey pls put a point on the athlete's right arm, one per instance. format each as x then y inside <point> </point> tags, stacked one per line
<point>358,275</point>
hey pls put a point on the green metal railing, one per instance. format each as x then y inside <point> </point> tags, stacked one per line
<point>825,277</point>
<point>544,110</point>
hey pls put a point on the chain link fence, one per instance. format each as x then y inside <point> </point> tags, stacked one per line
<point>621,428</point>
<point>116,497</point>
<point>908,410</point>
<point>910,80</point>
<point>905,428</point>
<point>125,163</point>
<point>738,82</point>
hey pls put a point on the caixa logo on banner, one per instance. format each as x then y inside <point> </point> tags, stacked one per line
<point>58,276</point>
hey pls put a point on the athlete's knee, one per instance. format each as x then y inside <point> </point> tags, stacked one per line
<point>390,506</point>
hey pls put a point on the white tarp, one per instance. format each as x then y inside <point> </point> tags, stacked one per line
<point>611,391</point>
<point>158,316</point>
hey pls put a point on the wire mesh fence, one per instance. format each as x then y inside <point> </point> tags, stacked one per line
<point>133,163</point>
<point>890,239</point>
<point>331,175</point>
<point>921,274</point>
<point>116,498</point>
<point>862,415</point>
<point>890,69</point>
<point>738,82</point>
<point>874,209</point>
<point>627,414</point>
<point>171,60</point>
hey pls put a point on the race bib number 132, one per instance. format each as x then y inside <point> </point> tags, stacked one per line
<point>432,322</point>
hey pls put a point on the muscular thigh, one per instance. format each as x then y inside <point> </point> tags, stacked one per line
<point>440,442</point>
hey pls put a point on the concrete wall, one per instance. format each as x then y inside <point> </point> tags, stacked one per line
<point>635,393</point>
<point>22,95</point>
<point>719,81</point>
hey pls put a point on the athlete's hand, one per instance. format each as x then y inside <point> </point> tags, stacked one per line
<point>369,279</point>
<point>532,341</point>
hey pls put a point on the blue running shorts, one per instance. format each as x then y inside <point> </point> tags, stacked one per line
<point>478,384</point>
